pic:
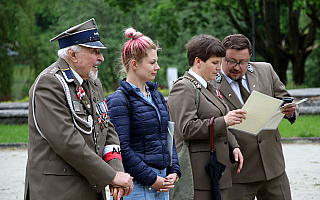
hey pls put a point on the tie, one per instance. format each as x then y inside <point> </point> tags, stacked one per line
<point>86,88</point>
<point>244,93</point>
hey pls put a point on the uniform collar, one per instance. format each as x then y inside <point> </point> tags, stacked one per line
<point>77,76</point>
<point>198,77</point>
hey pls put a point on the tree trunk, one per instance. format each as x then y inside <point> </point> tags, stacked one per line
<point>298,68</point>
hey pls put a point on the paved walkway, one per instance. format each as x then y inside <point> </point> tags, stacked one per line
<point>302,161</point>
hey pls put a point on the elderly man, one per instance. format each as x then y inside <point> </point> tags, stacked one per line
<point>73,149</point>
<point>263,174</point>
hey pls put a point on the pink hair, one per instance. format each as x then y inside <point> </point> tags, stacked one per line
<point>136,48</point>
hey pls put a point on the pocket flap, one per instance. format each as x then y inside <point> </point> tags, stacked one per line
<point>60,167</point>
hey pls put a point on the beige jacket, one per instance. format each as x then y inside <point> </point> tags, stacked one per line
<point>263,156</point>
<point>193,124</point>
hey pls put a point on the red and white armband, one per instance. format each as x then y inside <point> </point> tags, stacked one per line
<point>111,152</point>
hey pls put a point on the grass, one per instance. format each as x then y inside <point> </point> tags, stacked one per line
<point>13,133</point>
<point>305,126</point>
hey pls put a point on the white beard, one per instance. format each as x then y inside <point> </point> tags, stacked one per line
<point>93,74</point>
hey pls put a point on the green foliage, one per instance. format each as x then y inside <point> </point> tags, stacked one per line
<point>27,27</point>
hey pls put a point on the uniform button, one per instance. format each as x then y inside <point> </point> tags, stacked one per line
<point>65,170</point>
<point>225,142</point>
<point>98,147</point>
<point>259,141</point>
<point>219,135</point>
<point>97,134</point>
<point>94,186</point>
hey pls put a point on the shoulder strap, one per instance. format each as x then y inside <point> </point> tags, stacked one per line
<point>127,100</point>
<point>195,85</point>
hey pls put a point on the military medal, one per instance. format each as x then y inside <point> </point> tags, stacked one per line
<point>81,92</point>
<point>218,94</point>
<point>102,113</point>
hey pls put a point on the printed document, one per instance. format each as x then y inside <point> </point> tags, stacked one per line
<point>263,113</point>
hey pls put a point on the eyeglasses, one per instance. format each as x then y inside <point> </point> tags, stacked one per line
<point>232,63</point>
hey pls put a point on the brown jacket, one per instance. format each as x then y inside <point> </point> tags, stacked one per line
<point>193,124</point>
<point>64,162</point>
<point>263,156</point>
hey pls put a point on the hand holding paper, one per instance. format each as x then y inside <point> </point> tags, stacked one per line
<point>282,108</point>
<point>262,113</point>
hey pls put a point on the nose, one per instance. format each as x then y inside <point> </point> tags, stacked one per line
<point>237,67</point>
<point>219,67</point>
<point>157,67</point>
<point>100,57</point>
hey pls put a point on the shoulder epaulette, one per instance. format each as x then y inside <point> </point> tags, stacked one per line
<point>195,83</point>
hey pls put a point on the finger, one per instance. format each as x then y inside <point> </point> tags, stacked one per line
<point>240,164</point>
<point>120,193</point>
<point>115,193</point>
<point>236,156</point>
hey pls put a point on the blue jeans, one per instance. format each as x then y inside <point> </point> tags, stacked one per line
<point>141,192</point>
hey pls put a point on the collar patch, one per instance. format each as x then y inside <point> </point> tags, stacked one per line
<point>218,78</point>
<point>67,75</point>
<point>250,68</point>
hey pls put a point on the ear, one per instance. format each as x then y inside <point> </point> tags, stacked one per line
<point>72,55</point>
<point>133,65</point>
<point>197,62</point>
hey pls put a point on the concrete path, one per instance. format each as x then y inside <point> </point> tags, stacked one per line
<point>302,161</point>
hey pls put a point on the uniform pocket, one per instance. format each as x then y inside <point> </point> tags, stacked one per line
<point>61,168</point>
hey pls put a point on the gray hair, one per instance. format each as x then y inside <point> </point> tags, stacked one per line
<point>63,53</point>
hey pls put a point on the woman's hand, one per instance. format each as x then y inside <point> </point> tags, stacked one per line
<point>235,117</point>
<point>163,184</point>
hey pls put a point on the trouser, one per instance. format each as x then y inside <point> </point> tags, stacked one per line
<point>206,195</point>
<point>275,189</point>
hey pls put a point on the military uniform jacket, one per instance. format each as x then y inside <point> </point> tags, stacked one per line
<point>263,156</point>
<point>64,161</point>
<point>192,123</point>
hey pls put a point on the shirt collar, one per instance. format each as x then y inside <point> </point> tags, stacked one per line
<point>76,75</point>
<point>138,89</point>
<point>198,77</point>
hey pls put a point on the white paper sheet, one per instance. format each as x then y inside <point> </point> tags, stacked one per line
<point>262,113</point>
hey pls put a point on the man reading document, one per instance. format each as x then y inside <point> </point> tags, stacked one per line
<point>263,174</point>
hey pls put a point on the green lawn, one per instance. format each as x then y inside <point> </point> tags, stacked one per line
<point>305,126</point>
<point>13,133</point>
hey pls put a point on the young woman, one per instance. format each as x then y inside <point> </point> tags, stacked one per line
<point>140,116</point>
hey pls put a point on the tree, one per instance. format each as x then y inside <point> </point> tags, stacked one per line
<point>279,33</point>
<point>282,33</point>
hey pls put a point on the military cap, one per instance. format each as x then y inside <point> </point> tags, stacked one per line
<point>85,34</point>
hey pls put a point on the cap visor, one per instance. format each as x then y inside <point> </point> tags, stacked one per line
<point>96,44</point>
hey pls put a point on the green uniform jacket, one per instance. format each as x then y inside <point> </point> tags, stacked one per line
<point>192,123</point>
<point>263,156</point>
<point>63,161</point>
